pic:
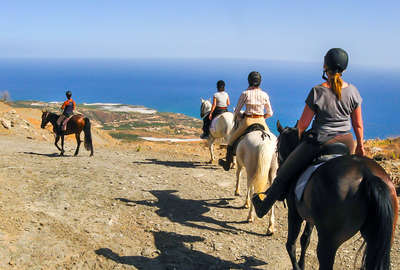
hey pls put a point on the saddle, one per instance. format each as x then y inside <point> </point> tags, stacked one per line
<point>327,152</point>
<point>62,123</point>
<point>65,122</point>
<point>251,128</point>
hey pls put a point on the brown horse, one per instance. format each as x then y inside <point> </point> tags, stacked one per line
<point>75,125</point>
<point>345,195</point>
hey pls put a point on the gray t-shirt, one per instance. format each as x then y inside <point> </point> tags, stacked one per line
<point>332,116</point>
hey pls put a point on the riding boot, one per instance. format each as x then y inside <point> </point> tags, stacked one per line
<point>226,164</point>
<point>288,172</point>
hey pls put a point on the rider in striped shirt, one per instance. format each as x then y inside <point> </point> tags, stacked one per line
<point>258,108</point>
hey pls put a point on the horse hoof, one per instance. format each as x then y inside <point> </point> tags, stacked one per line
<point>269,233</point>
<point>237,193</point>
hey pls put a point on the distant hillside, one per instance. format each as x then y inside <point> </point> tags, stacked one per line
<point>24,121</point>
<point>129,122</point>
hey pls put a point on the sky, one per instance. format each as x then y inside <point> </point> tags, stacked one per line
<point>267,30</point>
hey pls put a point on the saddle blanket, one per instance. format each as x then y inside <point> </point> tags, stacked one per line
<point>65,122</point>
<point>305,176</point>
<point>303,180</point>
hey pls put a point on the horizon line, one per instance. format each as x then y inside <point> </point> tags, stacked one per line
<point>105,58</point>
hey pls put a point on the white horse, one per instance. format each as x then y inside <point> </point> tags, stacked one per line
<point>221,126</point>
<point>257,153</point>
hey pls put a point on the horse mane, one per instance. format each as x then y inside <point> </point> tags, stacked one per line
<point>287,146</point>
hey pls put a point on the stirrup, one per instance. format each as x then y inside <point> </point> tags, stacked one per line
<point>225,164</point>
<point>258,205</point>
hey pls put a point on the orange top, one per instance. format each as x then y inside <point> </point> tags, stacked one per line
<point>67,102</point>
<point>68,106</point>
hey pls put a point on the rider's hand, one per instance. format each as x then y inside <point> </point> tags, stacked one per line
<point>210,116</point>
<point>360,150</point>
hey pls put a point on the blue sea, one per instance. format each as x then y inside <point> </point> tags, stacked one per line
<point>177,85</point>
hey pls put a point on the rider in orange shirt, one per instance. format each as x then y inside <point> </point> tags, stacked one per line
<point>68,108</point>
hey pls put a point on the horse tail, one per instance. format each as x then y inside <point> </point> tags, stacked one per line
<point>263,166</point>
<point>378,226</point>
<point>88,135</point>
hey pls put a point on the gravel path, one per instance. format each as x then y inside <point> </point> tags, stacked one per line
<point>130,209</point>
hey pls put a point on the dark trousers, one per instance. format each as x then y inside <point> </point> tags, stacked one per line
<point>207,121</point>
<point>287,174</point>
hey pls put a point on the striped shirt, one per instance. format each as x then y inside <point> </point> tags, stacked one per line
<point>256,100</point>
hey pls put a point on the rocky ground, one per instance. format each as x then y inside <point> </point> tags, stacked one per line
<point>132,206</point>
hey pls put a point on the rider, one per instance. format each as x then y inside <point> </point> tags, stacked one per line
<point>68,108</point>
<point>219,106</point>
<point>256,100</point>
<point>333,104</point>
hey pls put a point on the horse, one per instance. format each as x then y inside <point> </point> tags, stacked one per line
<point>223,126</point>
<point>256,152</point>
<point>75,125</point>
<point>345,195</point>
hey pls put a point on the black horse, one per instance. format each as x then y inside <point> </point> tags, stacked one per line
<point>75,125</point>
<point>345,195</point>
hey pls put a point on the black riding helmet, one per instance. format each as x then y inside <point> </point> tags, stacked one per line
<point>68,94</point>
<point>336,60</point>
<point>254,78</point>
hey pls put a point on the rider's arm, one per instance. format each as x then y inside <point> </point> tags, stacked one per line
<point>305,119</point>
<point>358,126</point>
<point>228,102</point>
<point>213,108</point>
<point>268,109</point>
<point>73,102</point>
<point>240,104</point>
<point>64,104</point>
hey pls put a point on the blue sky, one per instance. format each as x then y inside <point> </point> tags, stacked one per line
<point>272,30</point>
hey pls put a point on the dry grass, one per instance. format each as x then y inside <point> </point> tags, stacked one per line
<point>387,149</point>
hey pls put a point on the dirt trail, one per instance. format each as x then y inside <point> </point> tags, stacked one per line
<point>158,208</point>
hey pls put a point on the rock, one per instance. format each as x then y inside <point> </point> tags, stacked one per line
<point>148,252</point>
<point>6,123</point>
<point>375,150</point>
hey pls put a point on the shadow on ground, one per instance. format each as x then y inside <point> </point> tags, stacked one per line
<point>189,212</point>
<point>46,155</point>
<point>175,251</point>
<point>178,164</point>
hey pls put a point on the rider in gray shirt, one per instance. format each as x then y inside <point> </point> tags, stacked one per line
<point>335,106</point>
<point>332,115</point>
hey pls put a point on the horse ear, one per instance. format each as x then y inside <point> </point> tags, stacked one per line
<point>279,126</point>
<point>297,123</point>
<point>202,100</point>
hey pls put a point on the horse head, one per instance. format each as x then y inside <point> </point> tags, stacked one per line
<point>287,141</point>
<point>45,118</point>
<point>205,107</point>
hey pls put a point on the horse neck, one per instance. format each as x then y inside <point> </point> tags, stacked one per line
<point>206,108</point>
<point>53,119</point>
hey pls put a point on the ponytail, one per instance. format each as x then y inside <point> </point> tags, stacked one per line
<point>336,83</point>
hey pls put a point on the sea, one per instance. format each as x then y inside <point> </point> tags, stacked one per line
<point>177,85</point>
